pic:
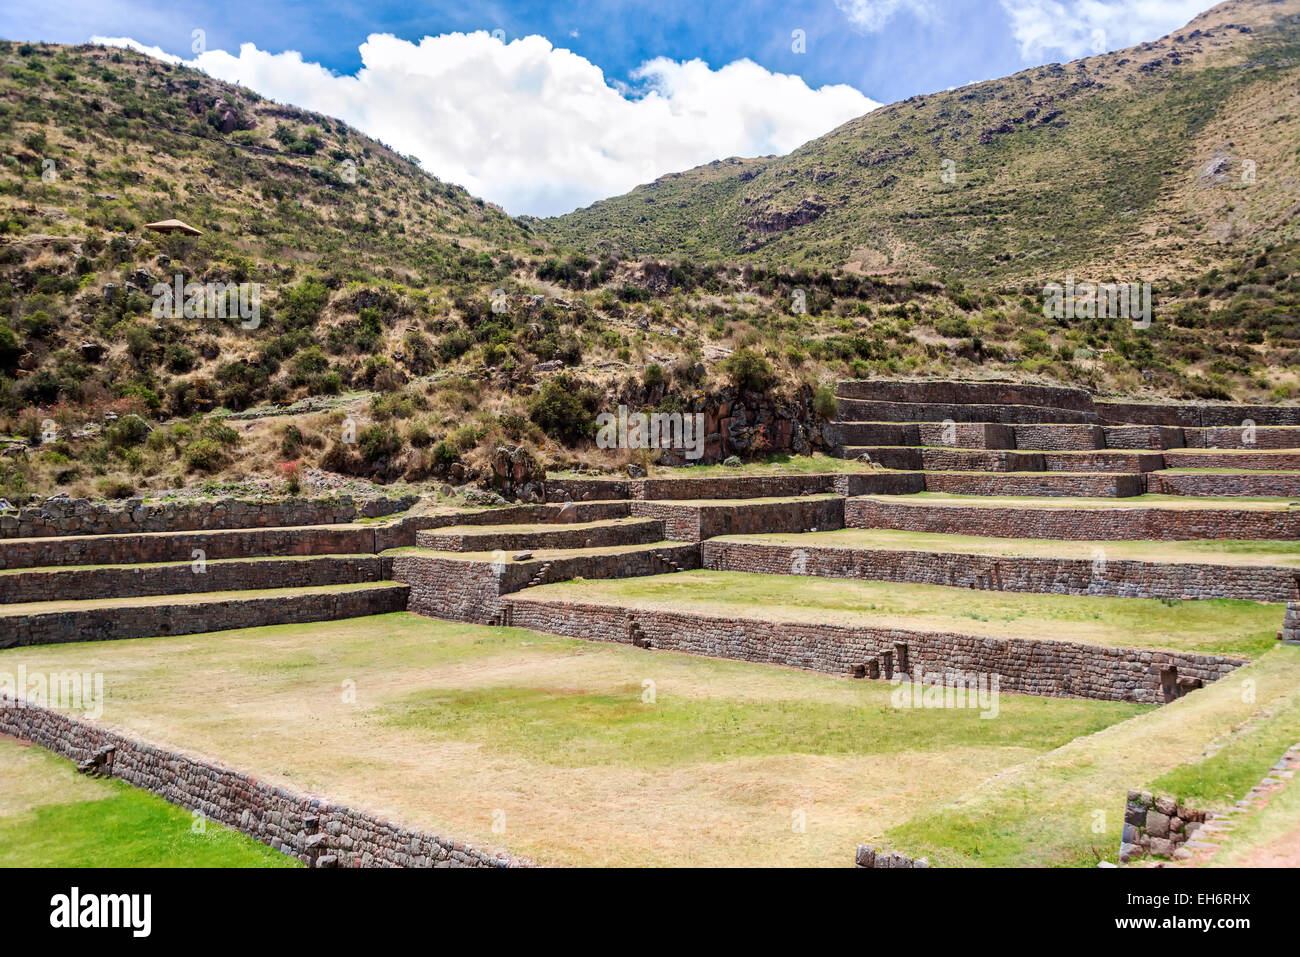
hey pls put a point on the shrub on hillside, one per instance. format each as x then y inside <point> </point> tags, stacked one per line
<point>748,371</point>
<point>565,409</point>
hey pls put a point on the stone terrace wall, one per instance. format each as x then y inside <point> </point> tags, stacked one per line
<point>132,581</point>
<point>1261,461</point>
<point>1049,668</point>
<point>1076,524</point>
<point>981,460</point>
<point>693,523</point>
<point>314,831</point>
<point>586,489</point>
<point>879,433</point>
<point>879,483</point>
<point>1059,438</point>
<point>188,618</point>
<point>561,536</point>
<point>946,391</point>
<point>967,435</point>
<point>869,856</point>
<point>1194,416</point>
<point>858,410</point>
<point>1226,484</point>
<point>1151,437</point>
<point>459,590</point>
<point>1235,437</point>
<point>79,516</point>
<point>1103,460</point>
<point>1058,484</point>
<point>731,486</point>
<point>1158,826</point>
<point>1059,576</point>
<point>180,546</point>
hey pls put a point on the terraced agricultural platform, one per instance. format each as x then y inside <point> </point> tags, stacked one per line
<point>1079,550</point>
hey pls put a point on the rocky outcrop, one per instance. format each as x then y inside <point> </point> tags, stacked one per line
<point>517,474</point>
<point>778,221</point>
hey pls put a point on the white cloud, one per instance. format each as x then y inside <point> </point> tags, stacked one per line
<point>539,129</point>
<point>1076,28</point>
<point>158,53</point>
<point>870,16</point>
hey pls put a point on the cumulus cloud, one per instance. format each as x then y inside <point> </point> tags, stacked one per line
<point>1076,28</point>
<point>539,129</point>
<point>870,16</point>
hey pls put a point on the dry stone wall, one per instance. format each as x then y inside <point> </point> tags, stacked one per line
<point>872,857</point>
<point>467,590</point>
<point>1250,461</point>
<point>629,532</point>
<point>1058,438</point>
<point>78,516</point>
<point>1103,460</point>
<point>857,410</point>
<point>685,522</point>
<point>1158,827</point>
<point>1023,666</point>
<point>311,829</point>
<point>186,618</point>
<point>1223,484</point>
<point>1077,524</point>
<point>1236,437</point>
<point>1059,576</point>
<point>131,581</point>
<point>946,391</point>
<point>181,546</point>
<point>1152,437</point>
<point>1194,416</point>
<point>1056,484</point>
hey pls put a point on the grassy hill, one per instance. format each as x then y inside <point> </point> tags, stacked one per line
<point>1127,163</point>
<point>440,327</point>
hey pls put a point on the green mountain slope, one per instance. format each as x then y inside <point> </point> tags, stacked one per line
<point>1132,161</point>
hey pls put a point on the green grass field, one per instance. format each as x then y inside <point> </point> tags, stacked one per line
<point>452,723</point>
<point>600,754</point>
<point>1210,627</point>
<point>51,816</point>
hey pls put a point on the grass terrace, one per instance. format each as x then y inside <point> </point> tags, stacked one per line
<point>816,464</point>
<point>1131,501</point>
<point>454,722</point>
<point>51,816</point>
<point>1219,627</point>
<point>507,556</point>
<point>1211,551</point>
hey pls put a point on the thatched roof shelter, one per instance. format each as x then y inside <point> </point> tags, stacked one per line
<point>173,226</point>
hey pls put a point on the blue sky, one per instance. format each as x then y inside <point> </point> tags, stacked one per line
<point>855,54</point>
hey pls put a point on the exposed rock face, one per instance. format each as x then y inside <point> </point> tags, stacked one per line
<point>778,221</point>
<point>517,474</point>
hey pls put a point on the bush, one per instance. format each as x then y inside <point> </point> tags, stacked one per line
<point>378,441</point>
<point>825,405</point>
<point>205,455</point>
<point>654,376</point>
<point>748,371</point>
<point>565,409</point>
<point>127,432</point>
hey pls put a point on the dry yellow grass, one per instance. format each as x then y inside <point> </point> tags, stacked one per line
<point>271,701</point>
